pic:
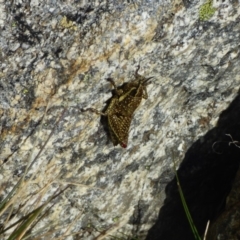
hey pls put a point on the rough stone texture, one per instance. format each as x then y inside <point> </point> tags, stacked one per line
<point>227,225</point>
<point>206,175</point>
<point>56,55</point>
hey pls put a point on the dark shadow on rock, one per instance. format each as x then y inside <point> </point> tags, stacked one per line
<point>206,175</point>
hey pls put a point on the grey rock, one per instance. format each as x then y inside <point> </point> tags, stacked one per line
<point>55,57</point>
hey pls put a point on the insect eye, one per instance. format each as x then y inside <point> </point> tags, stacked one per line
<point>133,93</point>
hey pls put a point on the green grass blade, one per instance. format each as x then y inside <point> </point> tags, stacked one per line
<point>187,212</point>
<point>26,224</point>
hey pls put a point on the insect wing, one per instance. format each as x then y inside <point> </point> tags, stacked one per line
<point>134,103</point>
<point>130,104</point>
<point>120,125</point>
<point>113,137</point>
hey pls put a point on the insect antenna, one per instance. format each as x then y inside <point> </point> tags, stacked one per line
<point>145,82</point>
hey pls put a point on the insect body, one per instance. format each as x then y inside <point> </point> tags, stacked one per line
<point>124,102</point>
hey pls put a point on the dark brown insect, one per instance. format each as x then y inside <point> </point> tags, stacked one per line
<point>124,102</point>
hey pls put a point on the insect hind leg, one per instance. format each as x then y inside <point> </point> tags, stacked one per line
<point>93,110</point>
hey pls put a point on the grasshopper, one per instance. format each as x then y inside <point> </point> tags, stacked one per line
<point>123,104</point>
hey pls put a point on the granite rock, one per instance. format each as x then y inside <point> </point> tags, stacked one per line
<point>55,57</point>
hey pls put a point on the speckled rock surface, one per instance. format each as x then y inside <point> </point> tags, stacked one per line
<point>56,55</point>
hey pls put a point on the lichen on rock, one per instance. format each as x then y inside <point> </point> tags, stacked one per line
<point>206,11</point>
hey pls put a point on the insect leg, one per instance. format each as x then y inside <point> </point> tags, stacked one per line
<point>94,110</point>
<point>114,86</point>
<point>136,72</point>
<point>145,95</point>
<point>112,82</point>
